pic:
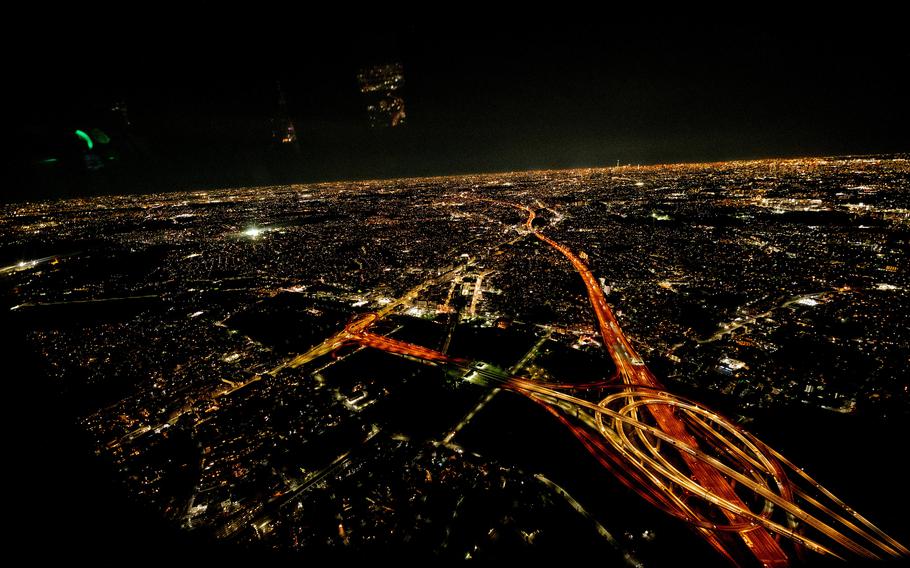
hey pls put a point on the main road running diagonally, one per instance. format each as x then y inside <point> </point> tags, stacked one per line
<point>634,372</point>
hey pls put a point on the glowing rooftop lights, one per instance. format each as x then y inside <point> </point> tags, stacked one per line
<point>253,232</point>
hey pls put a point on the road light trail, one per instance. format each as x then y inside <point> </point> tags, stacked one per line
<point>634,372</point>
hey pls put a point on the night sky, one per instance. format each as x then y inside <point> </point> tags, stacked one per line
<point>509,95</point>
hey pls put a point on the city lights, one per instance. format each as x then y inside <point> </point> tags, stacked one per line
<point>375,344</point>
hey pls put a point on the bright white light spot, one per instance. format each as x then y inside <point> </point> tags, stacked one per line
<point>732,363</point>
<point>253,232</point>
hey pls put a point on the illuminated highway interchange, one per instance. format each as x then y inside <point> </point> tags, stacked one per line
<point>349,366</point>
